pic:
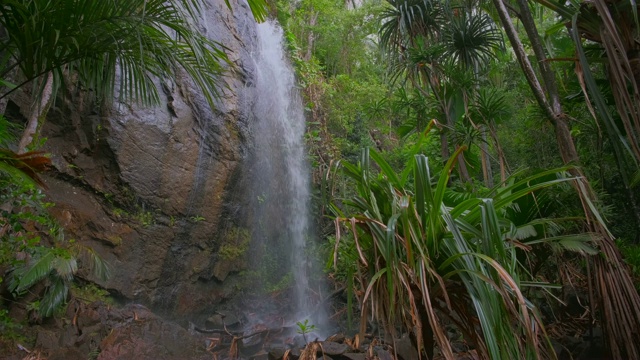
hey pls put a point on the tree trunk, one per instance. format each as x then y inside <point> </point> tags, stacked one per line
<point>444,145</point>
<point>38,112</point>
<point>486,161</point>
<point>311,37</point>
<point>462,167</point>
<point>501,158</point>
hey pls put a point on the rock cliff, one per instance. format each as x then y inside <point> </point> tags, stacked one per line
<point>154,190</point>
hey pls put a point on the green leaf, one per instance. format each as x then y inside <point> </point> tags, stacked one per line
<point>55,295</point>
<point>32,272</point>
<point>577,242</point>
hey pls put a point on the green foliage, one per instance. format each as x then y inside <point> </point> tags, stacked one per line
<point>279,285</point>
<point>449,64</point>
<point>472,40</point>
<point>7,130</point>
<point>197,218</point>
<point>145,218</point>
<point>154,38</point>
<point>23,167</point>
<point>87,45</point>
<point>35,250</point>
<point>420,240</point>
<point>56,266</point>
<point>7,324</point>
<point>12,332</point>
<point>337,67</point>
<point>304,328</point>
<point>631,254</point>
<point>26,209</point>
<point>90,293</point>
<point>236,244</point>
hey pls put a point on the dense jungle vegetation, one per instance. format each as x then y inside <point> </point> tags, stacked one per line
<point>475,163</point>
<point>500,151</point>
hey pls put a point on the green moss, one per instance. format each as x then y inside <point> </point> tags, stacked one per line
<point>115,240</point>
<point>90,293</point>
<point>236,244</point>
<point>284,283</point>
<point>263,282</point>
<point>145,218</point>
<point>119,213</point>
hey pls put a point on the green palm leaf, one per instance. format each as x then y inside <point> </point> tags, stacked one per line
<point>113,45</point>
<point>34,271</point>
<point>577,242</point>
<point>55,295</point>
<point>471,40</point>
<point>97,266</point>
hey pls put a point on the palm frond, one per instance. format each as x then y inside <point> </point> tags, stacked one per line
<point>65,264</point>
<point>154,38</point>
<point>575,242</point>
<point>472,39</point>
<point>55,295</point>
<point>90,259</point>
<point>36,269</point>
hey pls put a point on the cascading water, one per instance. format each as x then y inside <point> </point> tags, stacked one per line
<point>279,171</point>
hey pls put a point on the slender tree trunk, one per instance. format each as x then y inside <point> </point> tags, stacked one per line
<point>37,113</point>
<point>462,167</point>
<point>619,301</point>
<point>486,161</point>
<point>501,157</point>
<point>444,145</point>
<point>311,37</point>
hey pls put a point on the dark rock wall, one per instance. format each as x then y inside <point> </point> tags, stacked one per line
<point>156,191</point>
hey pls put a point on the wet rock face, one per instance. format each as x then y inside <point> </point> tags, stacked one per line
<point>132,332</point>
<point>155,190</point>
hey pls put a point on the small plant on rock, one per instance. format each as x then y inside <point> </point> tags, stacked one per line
<point>304,328</point>
<point>196,219</point>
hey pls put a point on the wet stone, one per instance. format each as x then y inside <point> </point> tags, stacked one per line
<point>263,355</point>
<point>334,348</point>
<point>382,353</point>
<point>355,356</point>
<point>406,350</point>
<point>218,321</point>
<point>277,353</point>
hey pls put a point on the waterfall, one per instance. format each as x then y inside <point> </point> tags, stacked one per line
<point>279,171</point>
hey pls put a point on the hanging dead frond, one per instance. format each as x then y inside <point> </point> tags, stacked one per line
<point>234,352</point>
<point>24,166</point>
